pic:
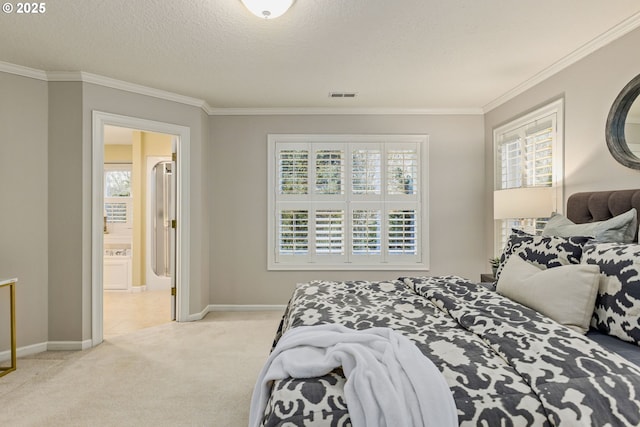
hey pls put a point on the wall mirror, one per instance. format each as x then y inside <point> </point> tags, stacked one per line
<point>623,126</point>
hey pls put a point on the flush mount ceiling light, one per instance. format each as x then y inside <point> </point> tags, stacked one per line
<point>268,9</point>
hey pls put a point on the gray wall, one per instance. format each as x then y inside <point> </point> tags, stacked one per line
<point>589,87</point>
<point>115,101</point>
<point>23,216</point>
<point>65,186</point>
<point>45,171</point>
<point>238,197</point>
<point>45,225</point>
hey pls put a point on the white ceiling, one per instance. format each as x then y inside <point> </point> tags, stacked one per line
<point>420,54</point>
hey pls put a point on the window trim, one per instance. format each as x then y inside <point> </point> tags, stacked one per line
<point>557,181</point>
<point>422,259</point>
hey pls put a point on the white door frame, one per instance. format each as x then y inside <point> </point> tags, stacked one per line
<point>99,120</point>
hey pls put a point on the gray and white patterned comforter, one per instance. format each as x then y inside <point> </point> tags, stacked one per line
<point>505,364</point>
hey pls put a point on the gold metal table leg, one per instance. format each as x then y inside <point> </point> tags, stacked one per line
<point>12,307</point>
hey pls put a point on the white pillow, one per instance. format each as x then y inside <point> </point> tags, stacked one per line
<point>621,228</point>
<point>566,294</point>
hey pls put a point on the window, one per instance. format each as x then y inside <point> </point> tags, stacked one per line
<point>528,152</point>
<point>348,202</point>
<point>118,203</point>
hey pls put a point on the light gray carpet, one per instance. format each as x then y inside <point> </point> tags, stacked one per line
<point>177,374</point>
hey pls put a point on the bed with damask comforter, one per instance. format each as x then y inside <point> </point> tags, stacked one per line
<point>505,363</point>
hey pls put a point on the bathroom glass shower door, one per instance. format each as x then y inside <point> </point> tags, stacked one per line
<point>163,231</point>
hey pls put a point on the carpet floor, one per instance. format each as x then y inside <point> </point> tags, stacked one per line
<point>176,374</point>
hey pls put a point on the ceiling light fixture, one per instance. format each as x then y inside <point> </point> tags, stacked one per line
<point>268,9</point>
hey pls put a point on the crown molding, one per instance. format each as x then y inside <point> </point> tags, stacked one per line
<point>602,40</point>
<point>81,76</point>
<point>614,33</point>
<point>19,70</point>
<point>342,111</point>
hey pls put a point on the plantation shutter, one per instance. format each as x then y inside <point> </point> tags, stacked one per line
<point>294,230</point>
<point>366,163</point>
<point>116,212</point>
<point>402,171</point>
<point>367,232</point>
<point>118,203</point>
<point>529,153</point>
<point>525,155</point>
<point>402,232</point>
<point>343,203</point>
<point>329,231</point>
<point>293,172</point>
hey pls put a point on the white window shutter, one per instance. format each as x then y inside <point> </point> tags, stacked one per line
<point>329,232</point>
<point>293,176</point>
<point>402,226</point>
<point>330,170</point>
<point>294,229</point>
<point>116,212</point>
<point>366,170</point>
<point>347,202</point>
<point>366,232</point>
<point>402,171</point>
<point>528,152</point>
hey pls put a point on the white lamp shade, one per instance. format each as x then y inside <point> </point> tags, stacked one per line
<point>268,9</point>
<point>532,202</point>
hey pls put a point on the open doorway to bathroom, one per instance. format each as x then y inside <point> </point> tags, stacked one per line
<point>181,143</point>
<point>139,240</point>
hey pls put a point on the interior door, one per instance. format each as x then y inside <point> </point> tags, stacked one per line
<point>174,222</point>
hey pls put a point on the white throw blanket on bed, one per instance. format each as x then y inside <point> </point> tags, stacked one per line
<point>389,381</point>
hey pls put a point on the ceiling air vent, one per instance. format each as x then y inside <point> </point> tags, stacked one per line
<point>342,94</point>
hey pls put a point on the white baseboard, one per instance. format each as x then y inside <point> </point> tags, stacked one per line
<point>69,345</point>
<point>198,316</point>
<point>132,289</point>
<point>32,349</point>
<point>24,351</point>
<point>86,344</point>
<point>246,307</point>
<point>234,307</point>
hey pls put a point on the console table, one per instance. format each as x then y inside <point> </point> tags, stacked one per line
<point>11,283</point>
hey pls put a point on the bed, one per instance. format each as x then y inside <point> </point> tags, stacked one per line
<point>504,362</point>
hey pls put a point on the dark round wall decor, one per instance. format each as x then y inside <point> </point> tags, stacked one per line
<point>619,141</point>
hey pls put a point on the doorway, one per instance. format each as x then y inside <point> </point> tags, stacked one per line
<point>180,142</point>
<point>139,243</point>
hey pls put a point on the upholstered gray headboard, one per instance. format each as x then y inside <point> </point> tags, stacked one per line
<point>602,205</point>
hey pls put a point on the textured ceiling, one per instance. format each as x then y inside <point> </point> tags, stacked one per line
<point>430,54</point>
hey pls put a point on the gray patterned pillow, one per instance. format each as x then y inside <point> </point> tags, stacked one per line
<point>542,251</point>
<point>617,310</point>
<point>621,228</point>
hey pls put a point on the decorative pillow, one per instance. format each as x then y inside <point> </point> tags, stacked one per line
<point>565,294</point>
<point>543,251</point>
<point>621,228</point>
<point>617,309</point>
